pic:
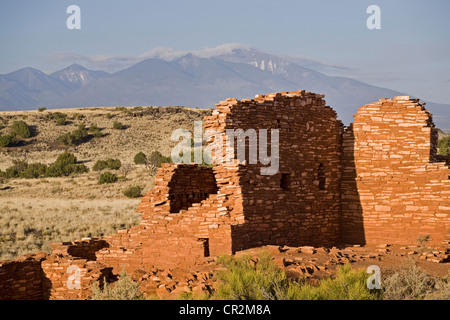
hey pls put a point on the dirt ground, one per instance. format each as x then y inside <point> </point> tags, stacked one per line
<point>299,263</point>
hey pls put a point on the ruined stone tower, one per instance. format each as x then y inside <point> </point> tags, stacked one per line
<point>377,181</point>
<point>193,211</point>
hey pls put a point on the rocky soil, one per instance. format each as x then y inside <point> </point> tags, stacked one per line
<point>299,263</point>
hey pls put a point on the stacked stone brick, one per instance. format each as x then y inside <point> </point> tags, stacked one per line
<point>72,278</point>
<point>287,207</point>
<point>194,211</point>
<point>23,278</point>
<point>394,189</point>
<point>379,181</point>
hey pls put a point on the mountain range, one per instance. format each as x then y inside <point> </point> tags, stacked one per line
<point>192,80</point>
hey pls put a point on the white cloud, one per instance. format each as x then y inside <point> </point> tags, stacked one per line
<point>219,50</point>
<point>113,63</point>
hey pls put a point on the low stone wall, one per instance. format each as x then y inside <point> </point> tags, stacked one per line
<point>24,279</point>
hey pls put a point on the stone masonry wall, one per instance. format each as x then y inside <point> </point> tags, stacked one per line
<point>379,181</point>
<point>23,278</point>
<point>72,278</point>
<point>193,211</point>
<point>394,189</point>
<point>166,237</point>
<point>300,203</point>
<point>60,275</point>
<point>192,233</point>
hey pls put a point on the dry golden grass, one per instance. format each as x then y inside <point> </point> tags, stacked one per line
<point>31,224</point>
<point>37,212</point>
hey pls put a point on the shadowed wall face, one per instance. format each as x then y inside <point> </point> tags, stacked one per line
<point>190,185</point>
<point>24,279</point>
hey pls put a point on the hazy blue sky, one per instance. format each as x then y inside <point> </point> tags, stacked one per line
<point>411,52</point>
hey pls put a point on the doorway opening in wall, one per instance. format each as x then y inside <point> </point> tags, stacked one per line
<point>189,185</point>
<point>321,177</point>
<point>205,244</point>
<point>285,181</point>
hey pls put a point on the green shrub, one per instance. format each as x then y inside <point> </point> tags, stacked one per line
<point>75,137</point>
<point>20,165</point>
<point>82,127</point>
<point>60,118</point>
<point>247,278</point>
<point>118,125</point>
<point>65,164</point>
<point>66,139</point>
<point>17,169</point>
<point>95,131</point>
<point>444,146</point>
<point>66,158</point>
<point>56,170</point>
<point>408,283</point>
<point>61,121</point>
<point>97,134</point>
<point>77,116</point>
<point>7,140</point>
<point>133,192</point>
<point>347,285</point>
<point>93,127</point>
<point>21,129</point>
<point>99,165</point>
<point>155,160</point>
<point>123,289</point>
<point>33,171</point>
<point>250,279</point>
<point>42,109</point>
<point>12,173</point>
<point>140,158</point>
<point>423,239</point>
<point>107,177</point>
<point>441,289</point>
<point>112,164</point>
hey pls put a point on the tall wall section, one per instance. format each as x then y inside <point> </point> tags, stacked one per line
<point>300,203</point>
<point>393,188</point>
